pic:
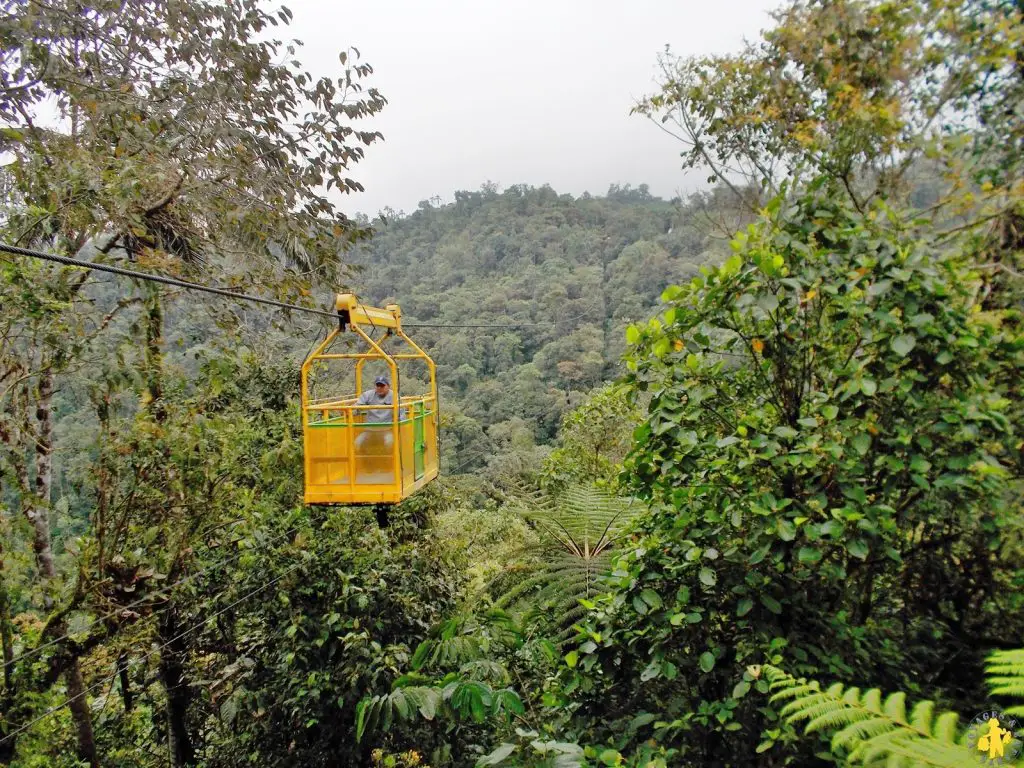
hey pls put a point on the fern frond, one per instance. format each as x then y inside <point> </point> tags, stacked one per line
<point>825,718</point>
<point>873,701</point>
<point>852,695</point>
<point>912,749</point>
<point>582,519</point>
<point>799,688</point>
<point>859,731</point>
<point>921,716</point>
<point>1007,686</point>
<point>1006,662</point>
<point>807,705</point>
<point>896,761</point>
<point>896,707</point>
<point>523,496</point>
<point>1004,672</point>
<point>945,729</point>
<point>872,731</point>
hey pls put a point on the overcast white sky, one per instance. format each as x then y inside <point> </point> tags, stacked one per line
<point>524,91</point>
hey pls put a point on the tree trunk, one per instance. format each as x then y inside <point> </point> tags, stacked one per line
<point>179,693</point>
<point>37,505</point>
<point>126,684</point>
<point>79,703</point>
<point>154,358</point>
<point>103,407</point>
<point>13,433</point>
<point>174,650</point>
<point>6,633</point>
<point>38,511</point>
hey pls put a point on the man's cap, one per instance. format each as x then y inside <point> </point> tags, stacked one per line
<point>380,380</point>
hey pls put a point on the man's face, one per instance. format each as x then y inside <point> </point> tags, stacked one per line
<point>382,389</point>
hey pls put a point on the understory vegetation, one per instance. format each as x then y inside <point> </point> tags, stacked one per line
<point>737,482</point>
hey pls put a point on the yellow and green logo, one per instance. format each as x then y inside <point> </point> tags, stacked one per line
<point>993,738</point>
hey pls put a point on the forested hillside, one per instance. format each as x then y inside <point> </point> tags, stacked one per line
<point>730,481</point>
<point>566,276</point>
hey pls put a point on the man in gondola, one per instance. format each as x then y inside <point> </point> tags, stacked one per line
<point>376,444</point>
<point>381,394</point>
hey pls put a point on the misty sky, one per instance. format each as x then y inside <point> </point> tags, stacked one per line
<point>524,91</point>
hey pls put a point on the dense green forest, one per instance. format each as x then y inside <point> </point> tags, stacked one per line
<point>734,480</point>
<point>565,275</point>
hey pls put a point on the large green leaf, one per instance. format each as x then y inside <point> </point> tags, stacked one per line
<point>858,548</point>
<point>903,344</point>
<point>497,756</point>
<point>708,577</point>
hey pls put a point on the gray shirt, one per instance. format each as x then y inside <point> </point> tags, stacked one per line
<point>370,397</point>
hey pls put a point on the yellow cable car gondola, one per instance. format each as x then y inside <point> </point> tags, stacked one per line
<point>363,449</point>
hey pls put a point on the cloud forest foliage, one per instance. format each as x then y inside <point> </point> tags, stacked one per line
<point>806,380</point>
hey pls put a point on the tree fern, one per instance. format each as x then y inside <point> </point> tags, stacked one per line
<point>875,732</point>
<point>578,529</point>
